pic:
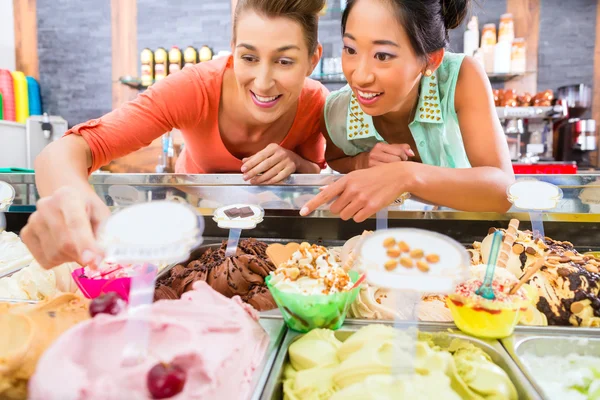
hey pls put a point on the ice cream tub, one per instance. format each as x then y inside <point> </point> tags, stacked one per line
<point>274,386</point>
<point>276,330</point>
<point>552,359</point>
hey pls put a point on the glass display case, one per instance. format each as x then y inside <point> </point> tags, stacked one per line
<point>576,218</point>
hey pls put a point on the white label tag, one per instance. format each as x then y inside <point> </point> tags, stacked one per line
<point>413,259</point>
<point>239,216</point>
<point>534,195</point>
<point>155,232</point>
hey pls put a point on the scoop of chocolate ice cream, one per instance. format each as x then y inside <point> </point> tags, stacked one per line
<point>242,275</point>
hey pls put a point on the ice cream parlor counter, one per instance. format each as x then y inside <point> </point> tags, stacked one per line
<point>553,352</point>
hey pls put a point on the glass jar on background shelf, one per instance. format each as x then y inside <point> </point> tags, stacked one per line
<point>506,29</point>
<point>518,63</point>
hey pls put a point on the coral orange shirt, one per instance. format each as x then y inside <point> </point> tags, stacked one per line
<point>189,101</point>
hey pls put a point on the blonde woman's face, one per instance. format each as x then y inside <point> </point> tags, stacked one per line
<point>378,59</point>
<point>271,61</point>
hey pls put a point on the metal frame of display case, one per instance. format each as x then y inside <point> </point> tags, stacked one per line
<point>576,218</point>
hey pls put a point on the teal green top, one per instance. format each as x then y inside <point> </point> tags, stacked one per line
<point>435,126</point>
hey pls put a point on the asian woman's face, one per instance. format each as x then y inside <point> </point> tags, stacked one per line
<point>271,61</point>
<point>378,59</point>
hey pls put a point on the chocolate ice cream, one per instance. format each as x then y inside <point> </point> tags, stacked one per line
<point>568,284</point>
<point>242,275</point>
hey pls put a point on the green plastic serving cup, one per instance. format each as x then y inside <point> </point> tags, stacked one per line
<point>303,313</point>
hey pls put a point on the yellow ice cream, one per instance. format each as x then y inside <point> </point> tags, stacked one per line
<point>319,347</point>
<point>27,331</point>
<point>435,386</point>
<point>361,366</point>
<point>476,369</point>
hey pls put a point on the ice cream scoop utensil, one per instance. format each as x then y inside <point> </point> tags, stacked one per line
<point>535,196</point>
<point>235,218</point>
<point>232,242</point>
<point>382,219</point>
<point>406,323</point>
<point>147,234</point>
<point>485,290</point>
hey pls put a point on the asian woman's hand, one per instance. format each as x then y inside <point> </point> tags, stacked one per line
<point>362,193</point>
<point>383,153</point>
<point>274,163</point>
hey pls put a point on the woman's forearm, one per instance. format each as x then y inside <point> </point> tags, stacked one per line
<point>480,189</point>
<point>345,165</point>
<point>63,163</point>
<point>304,166</point>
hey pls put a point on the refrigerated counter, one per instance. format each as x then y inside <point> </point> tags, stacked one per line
<point>576,218</point>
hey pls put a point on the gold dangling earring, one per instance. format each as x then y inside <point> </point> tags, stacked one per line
<point>428,72</point>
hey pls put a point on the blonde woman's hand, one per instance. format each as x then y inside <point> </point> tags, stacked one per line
<point>63,228</point>
<point>274,163</point>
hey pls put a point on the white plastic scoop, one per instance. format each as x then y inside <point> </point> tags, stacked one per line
<point>149,234</point>
<point>535,197</point>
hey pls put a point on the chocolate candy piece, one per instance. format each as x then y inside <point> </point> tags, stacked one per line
<point>232,212</point>
<point>246,212</point>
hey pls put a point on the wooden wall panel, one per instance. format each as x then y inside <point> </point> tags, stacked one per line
<point>596,97</point>
<point>26,43</point>
<point>125,62</point>
<point>124,48</point>
<point>526,14</point>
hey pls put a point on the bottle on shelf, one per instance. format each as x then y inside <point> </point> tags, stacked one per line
<point>147,70</point>
<point>471,37</point>
<point>190,56</point>
<point>488,43</point>
<point>206,53</point>
<point>502,57</point>
<point>506,29</point>
<point>175,60</point>
<point>161,64</point>
<point>518,56</point>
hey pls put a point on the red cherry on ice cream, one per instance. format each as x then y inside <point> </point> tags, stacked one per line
<point>165,380</point>
<point>108,303</point>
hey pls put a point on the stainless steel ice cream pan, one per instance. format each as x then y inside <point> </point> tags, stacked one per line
<point>276,330</point>
<point>274,386</point>
<point>557,341</point>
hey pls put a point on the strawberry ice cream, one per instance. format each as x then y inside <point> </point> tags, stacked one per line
<point>216,341</point>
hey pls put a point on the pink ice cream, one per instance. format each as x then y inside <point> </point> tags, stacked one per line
<point>218,341</point>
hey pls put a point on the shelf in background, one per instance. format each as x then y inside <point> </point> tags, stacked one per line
<point>326,79</point>
<point>494,78</point>
<point>132,82</point>
<point>553,112</point>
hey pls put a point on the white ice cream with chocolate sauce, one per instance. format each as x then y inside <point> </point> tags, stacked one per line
<point>567,285</point>
<point>312,270</point>
<point>13,253</point>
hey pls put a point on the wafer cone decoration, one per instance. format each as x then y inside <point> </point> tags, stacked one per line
<point>510,235</point>
<point>279,254</point>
